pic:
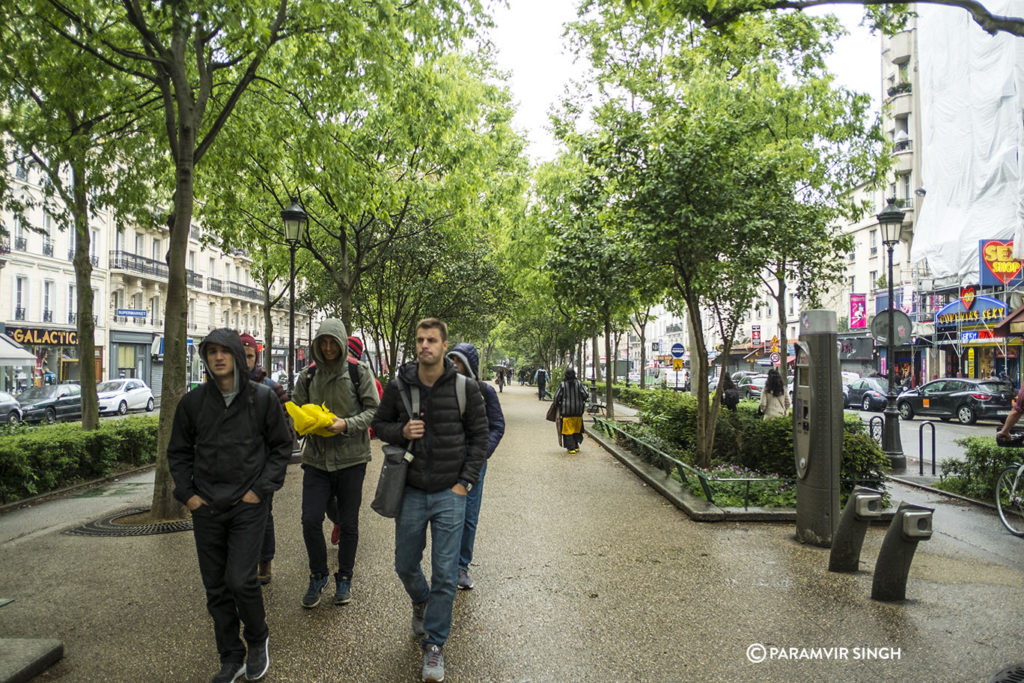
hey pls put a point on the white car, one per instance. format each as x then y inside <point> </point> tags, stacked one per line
<point>121,395</point>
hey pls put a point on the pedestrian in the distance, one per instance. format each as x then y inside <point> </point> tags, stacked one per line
<point>571,399</point>
<point>774,401</point>
<point>501,379</point>
<point>230,444</point>
<point>541,377</point>
<point>258,375</point>
<point>730,394</point>
<point>467,362</point>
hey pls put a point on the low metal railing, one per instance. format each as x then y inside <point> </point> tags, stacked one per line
<point>669,463</point>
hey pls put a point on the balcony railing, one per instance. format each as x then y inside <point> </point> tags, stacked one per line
<point>19,313</point>
<point>73,319</point>
<point>47,316</point>
<point>899,89</point>
<point>71,254</point>
<point>194,279</point>
<point>243,291</point>
<point>20,243</point>
<point>903,146</point>
<point>122,260</point>
<point>214,284</point>
<point>47,248</point>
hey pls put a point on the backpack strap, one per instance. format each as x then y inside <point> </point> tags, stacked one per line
<point>410,396</point>
<point>460,393</point>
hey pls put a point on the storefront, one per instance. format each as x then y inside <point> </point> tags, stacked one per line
<point>55,351</point>
<point>130,355</point>
<point>965,331</point>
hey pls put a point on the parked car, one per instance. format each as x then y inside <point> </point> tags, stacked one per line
<point>121,395</point>
<point>869,393</point>
<point>51,402</point>
<point>10,409</point>
<point>752,386</point>
<point>968,400</point>
<point>742,376</point>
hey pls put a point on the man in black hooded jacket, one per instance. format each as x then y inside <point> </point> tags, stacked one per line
<point>230,444</point>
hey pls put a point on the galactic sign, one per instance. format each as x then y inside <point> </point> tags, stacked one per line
<point>43,337</point>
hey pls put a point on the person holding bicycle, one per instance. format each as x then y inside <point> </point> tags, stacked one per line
<point>1004,435</point>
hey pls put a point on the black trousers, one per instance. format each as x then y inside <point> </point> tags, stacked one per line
<point>319,487</point>
<point>269,540</point>
<point>228,545</point>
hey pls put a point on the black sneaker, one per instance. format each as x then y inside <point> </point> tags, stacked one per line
<point>418,610</point>
<point>316,586</point>
<point>229,672</point>
<point>258,661</point>
<point>343,592</point>
<point>464,582</point>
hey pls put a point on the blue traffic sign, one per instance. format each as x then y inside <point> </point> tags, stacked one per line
<point>678,350</point>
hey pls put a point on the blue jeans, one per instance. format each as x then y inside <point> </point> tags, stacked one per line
<point>445,512</point>
<point>472,515</point>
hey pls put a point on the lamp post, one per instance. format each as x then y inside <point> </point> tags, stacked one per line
<point>294,218</point>
<point>891,223</point>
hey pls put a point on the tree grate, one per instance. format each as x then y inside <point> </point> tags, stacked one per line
<point>1011,674</point>
<point>108,527</point>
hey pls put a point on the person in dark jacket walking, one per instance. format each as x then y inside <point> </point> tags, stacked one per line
<point>449,445</point>
<point>229,447</point>
<point>258,374</point>
<point>333,467</point>
<point>571,399</point>
<point>467,362</point>
<point>730,393</point>
<point>541,378</point>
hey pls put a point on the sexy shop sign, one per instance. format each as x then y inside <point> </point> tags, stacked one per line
<point>996,265</point>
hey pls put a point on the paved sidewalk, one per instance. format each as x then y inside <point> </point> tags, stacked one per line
<point>583,573</point>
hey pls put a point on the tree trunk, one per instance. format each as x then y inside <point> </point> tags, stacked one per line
<point>609,371</point>
<point>165,505</point>
<point>783,342</point>
<point>595,360</point>
<point>268,331</point>
<point>83,284</point>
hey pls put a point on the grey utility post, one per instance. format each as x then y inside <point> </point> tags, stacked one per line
<point>910,525</point>
<point>817,428</point>
<point>863,506</point>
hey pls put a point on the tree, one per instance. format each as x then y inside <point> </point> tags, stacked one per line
<point>884,15</point>
<point>705,147</point>
<point>81,140</point>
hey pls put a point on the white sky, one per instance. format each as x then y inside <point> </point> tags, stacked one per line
<point>529,39</point>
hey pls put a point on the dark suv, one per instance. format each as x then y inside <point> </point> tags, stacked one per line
<point>965,399</point>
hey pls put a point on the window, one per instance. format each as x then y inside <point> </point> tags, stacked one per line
<point>140,241</point>
<point>227,319</point>
<point>873,241</point>
<point>904,72</point>
<point>154,309</point>
<point>48,301</point>
<point>792,306</point>
<point>873,277</point>
<point>905,185</point>
<point>72,308</point>
<point>213,271</point>
<point>157,256</point>
<point>137,301</point>
<point>119,239</point>
<point>852,283</point>
<point>192,261</point>
<point>20,297</point>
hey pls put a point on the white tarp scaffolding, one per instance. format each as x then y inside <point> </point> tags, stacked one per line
<point>971,123</point>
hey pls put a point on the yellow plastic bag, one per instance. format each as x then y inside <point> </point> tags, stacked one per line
<point>311,418</point>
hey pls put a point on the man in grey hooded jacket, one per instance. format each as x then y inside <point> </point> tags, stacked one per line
<point>334,467</point>
<point>230,444</point>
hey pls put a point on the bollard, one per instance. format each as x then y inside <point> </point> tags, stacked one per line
<point>911,524</point>
<point>863,506</point>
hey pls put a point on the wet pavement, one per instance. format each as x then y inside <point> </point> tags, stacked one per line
<point>583,572</point>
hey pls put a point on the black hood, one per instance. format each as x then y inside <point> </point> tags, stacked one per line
<point>229,339</point>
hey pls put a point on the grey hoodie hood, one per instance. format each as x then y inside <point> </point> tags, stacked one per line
<point>230,340</point>
<point>331,327</point>
<point>467,353</point>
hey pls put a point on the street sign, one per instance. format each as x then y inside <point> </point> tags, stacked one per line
<point>678,350</point>
<point>677,364</point>
<point>775,358</point>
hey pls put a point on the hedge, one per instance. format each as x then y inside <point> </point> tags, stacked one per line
<point>744,438</point>
<point>976,476</point>
<point>36,460</point>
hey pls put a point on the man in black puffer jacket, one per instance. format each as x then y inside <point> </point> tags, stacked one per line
<point>449,446</point>
<point>230,445</point>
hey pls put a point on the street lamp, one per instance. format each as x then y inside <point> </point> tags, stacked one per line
<point>294,218</point>
<point>891,223</point>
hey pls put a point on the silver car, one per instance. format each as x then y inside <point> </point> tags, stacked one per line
<point>121,395</point>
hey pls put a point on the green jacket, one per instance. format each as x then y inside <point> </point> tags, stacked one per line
<point>331,385</point>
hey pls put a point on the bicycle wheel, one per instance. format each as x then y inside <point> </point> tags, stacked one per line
<point>1009,501</point>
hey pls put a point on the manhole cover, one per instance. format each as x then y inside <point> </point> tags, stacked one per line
<point>1013,674</point>
<point>109,527</point>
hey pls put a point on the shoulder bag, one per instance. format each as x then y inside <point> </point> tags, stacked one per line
<point>387,501</point>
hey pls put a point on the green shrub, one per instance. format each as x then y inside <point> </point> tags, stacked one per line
<point>977,474</point>
<point>35,460</point>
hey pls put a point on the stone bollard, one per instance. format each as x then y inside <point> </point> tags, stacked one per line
<point>912,523</point>
<point>863,506</point>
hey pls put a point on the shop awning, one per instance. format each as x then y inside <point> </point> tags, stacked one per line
<point>12,353</point>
